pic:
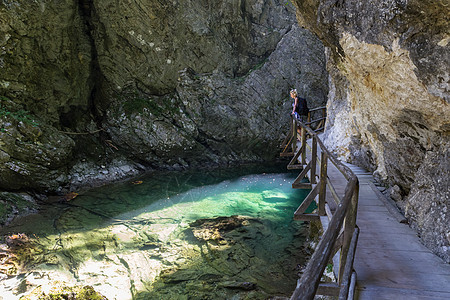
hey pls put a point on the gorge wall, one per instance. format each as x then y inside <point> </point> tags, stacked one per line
<point>92,91</point>
<point>388,107</point>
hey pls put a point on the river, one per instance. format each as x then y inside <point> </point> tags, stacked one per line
<point>218,234</point>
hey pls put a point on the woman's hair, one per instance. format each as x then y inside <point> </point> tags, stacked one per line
<point>294,92</point>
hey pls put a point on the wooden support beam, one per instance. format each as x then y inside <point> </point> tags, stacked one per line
<point>297,182</point>
<point>285,154</point>
<point>307,217</point>
<point>338,244</point>
<point>348,269</point>
<point>349,228</point>
<point>302,186</point>
<point>303,140</point>
<point>308,200</point>
<point>319,129</point>
<point>351,290</point>
<point>294,163</point>
<point>323,183</point>
<point>328,211</point>
<point>336,197</point>
<point>328,289</point>
<point>294,134</point>
<point>312,177</point>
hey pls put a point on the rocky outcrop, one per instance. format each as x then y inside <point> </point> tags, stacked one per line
<point>214,118</point>
<point>109,89</point>
<point>202,82</point>
<point>389,101</point>
<point>45,58</point>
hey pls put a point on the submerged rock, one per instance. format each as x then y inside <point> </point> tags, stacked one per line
<point>13,204</point>
<point>238,262</point>
<point>59,291</point>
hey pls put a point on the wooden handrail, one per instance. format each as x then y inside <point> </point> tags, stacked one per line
<point>341,227</point>
<point>318,108</point>
<point>291,138</point>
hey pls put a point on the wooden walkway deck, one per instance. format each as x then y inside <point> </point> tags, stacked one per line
<point>390,262</point>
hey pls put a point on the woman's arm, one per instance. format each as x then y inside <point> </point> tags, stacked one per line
<point>295,105</point>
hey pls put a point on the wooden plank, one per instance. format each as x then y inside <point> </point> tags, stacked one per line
<point>286,139</point>
<point>389,257</point>
<point>315,121</point>
<point>294,134</point>
<point>375,292</point>
<point>398,279</point>
<point>407,242</point>
<point>405,261</point>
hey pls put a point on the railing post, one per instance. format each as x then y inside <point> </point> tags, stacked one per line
<point>323,183</point>
<point>349,227</point>
<point>312,173</point>
<point>294,134</point>
<point>303,148</point>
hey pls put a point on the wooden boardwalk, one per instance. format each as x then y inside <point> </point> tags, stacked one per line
<point>390,261</point>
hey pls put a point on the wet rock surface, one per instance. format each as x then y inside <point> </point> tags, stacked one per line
<point>229,259</point>
<point>233,250</point>
<point>388,109</point>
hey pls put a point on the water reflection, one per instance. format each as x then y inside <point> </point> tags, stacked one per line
<point>145,241</point>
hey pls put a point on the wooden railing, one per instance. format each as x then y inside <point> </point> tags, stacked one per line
<point>318,116</point>
<point>337,214</point>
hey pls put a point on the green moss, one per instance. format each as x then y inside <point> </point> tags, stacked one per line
<point>10,202</point>
<point>137,105</point>
<point>5,210</point>
<point>20,115</point>
<point>329,268</point>
<point>137,102</point>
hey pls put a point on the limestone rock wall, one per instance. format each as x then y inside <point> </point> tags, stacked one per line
<point>45,63</point>
<point>188,83</point>
<point>45,57</point>
<point>389,99</point>
<point>96,90</point>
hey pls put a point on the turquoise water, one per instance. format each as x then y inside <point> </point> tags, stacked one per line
<point>170,237</point>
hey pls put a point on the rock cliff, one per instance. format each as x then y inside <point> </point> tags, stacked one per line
<point>389,99</point>
<point>96,90</point>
